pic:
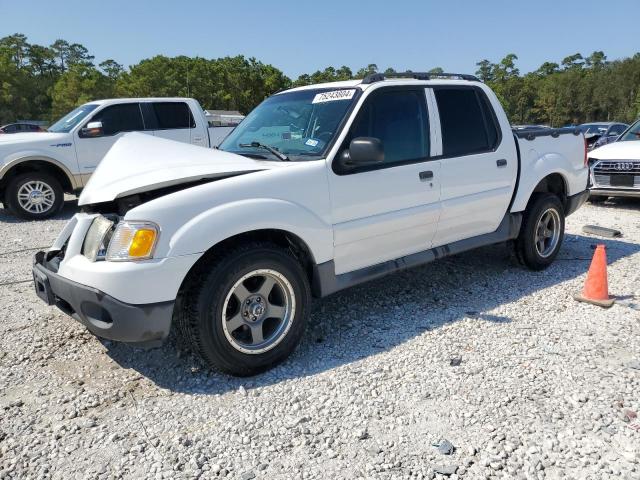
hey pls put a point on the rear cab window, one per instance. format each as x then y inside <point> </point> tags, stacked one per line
<point>467,121</point>
<point>168,116</point>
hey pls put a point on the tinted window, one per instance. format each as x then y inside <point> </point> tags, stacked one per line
<point>11,129</point>
<point>172,115</point>
<point>120,118</point>
<point>617,129</point>
<point>466,122</point>
<point>399,119</point>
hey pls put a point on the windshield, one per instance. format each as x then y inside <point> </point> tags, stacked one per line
<point>71,119</point>
<point>632,133</point>
<point>301,123</point>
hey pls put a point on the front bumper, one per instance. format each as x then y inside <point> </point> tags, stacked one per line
<point>613,192</point>
<point>143,324</point>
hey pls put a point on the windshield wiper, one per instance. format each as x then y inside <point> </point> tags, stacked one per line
<point>281,156</point>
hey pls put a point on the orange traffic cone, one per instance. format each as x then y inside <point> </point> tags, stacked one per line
<point>596,289</point>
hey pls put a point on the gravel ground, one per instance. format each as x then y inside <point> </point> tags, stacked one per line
<point>545,387</point>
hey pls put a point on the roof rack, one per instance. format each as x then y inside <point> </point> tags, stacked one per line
<point>379,77</point>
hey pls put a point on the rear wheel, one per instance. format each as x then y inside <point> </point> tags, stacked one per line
<point>542,232</point>
<point>34,195</point>
<point>244,310</point>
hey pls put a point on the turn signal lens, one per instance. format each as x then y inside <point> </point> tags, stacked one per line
<point>133,241</point>
<point>142,243</point>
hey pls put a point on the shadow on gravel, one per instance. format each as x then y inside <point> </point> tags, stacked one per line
<point>68,210</point>
<point>377,316</point>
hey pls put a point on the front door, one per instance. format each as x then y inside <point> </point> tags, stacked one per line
<point>391,209</point>
<point>116,121</point>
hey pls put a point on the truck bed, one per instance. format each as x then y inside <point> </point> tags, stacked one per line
<point>541,148</point>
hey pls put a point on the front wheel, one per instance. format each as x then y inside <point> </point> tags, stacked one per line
<point>34,195</point>
<point>542,232</point>
<point>244,310</point>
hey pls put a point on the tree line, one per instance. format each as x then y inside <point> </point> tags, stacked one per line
<point>45,82</point>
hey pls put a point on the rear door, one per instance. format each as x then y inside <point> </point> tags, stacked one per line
<point>116,121</point>
<point>479,167</point>
<point>389,210</point>
<point>171,120</point>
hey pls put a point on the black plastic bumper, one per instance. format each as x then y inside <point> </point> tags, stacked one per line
<point>103,315</point>
<point>574,202</point>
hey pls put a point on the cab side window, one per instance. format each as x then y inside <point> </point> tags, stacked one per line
<point>466,123</point>
<point>399,119</point>
<point>125,117</point>
<point>173,115</point>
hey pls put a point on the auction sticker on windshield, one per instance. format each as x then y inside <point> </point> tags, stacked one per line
<point>333,96</point>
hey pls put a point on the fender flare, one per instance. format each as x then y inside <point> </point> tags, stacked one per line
<point>524,199</point>
<point>41,158</point>
<point>534,166</point>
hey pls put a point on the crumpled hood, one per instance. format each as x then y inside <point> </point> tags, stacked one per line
<point>628,150</point>
<point>31,137</point>
<point>139,163</point>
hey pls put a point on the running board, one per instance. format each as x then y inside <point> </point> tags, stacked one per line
<point>326,282</point>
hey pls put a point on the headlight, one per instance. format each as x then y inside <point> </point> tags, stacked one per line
<point>133,241</point>
<point>97,238</point>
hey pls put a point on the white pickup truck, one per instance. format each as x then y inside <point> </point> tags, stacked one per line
<point>36,169</point>
<point>320,188</point>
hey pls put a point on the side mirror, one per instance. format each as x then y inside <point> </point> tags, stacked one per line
<point>92,130</point>
<point>362,152</point>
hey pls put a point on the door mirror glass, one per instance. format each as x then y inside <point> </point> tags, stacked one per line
<point>362,151</point>
<point>92,130</point>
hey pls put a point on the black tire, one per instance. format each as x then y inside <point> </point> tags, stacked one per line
<point>525,246</point>
<point>12,202</point>
<point>199,316</point>
<point>597,198</point>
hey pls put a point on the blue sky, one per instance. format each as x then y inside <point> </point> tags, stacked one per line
<point>300,37</point>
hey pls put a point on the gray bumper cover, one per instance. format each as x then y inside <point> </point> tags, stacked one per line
<point>103,315</point>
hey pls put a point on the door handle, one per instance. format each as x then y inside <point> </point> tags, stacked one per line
<point>501,163</point>
<point>426,175</point>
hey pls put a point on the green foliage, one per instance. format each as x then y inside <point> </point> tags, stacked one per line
<point>79,84</point>
<point>578,90</point>
<point>44,82</point>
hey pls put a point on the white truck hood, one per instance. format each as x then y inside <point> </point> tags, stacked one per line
<point>139,163</point>
<point>628,150</point>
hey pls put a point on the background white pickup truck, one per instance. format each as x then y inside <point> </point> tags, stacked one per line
<point>37,168</point>
<point>319,188</point>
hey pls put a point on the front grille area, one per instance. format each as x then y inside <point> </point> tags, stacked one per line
<point>605,181</point>
<point>616,166</point>
<point>610,173</point>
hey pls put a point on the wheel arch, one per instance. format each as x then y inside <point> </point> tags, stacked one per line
<point>553,183</point>
<point>38,164</point>
<point>283,238</point>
